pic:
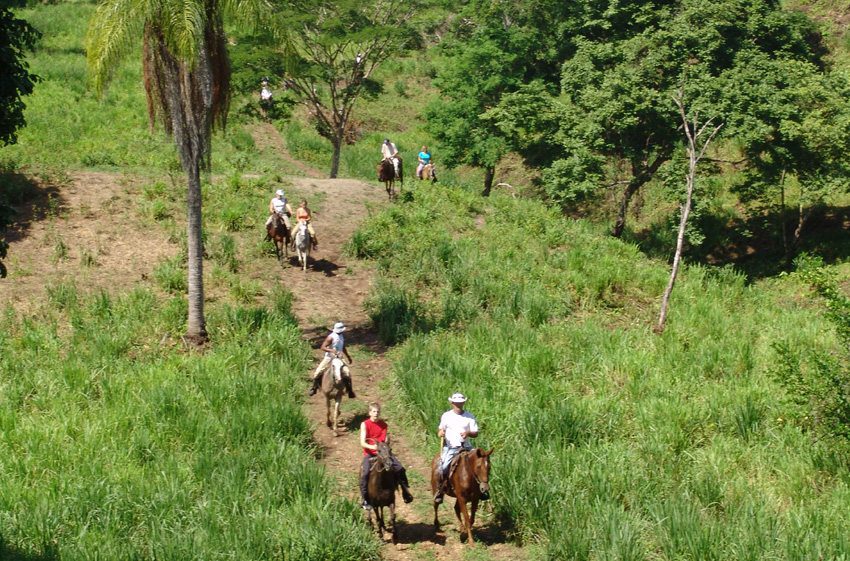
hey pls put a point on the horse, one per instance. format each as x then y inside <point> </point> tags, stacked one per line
<point>302,244</point>
<point>279,234</point>
<point>333,387</point>
<point>469,478</point>
<point>387,174</point>
<point>428,173</point>
<point>380,489</point>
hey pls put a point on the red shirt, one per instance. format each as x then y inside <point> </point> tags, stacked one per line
<point>375,432</point>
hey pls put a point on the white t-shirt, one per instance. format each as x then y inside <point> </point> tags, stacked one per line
<point>454,424</point>
<point>265,94</point>
<point>387,150</point>
<point>337,343</point>
<point>279,205</point>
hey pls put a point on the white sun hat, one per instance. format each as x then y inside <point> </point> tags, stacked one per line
<point>457,398</point>
<point>280,193</point>
<point>339,327</point>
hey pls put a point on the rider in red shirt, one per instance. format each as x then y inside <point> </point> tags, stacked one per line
<point>373,430</point>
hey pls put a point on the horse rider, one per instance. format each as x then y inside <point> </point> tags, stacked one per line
<point>279,205</point>
<point>372,431</point>
<point>424,160</point>
<point>390,152</point>
<point>456,428</point>
<point>265,96</point>
<point>334,347</point>
<point>303,213</point>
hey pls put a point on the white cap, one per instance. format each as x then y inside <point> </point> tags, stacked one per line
<point>339,327</point>
<point>280,193</point>
<point>457,398</point>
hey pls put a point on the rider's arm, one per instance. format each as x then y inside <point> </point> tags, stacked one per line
<point>326,345</point>
<point>271,207</point>
<point>288,209</point>
<point>363,442</point>
<point>348,356</point>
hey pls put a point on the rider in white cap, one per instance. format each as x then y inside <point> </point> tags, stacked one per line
<point>279,205</point>
<point>456,428</point>
<point>334,347</point>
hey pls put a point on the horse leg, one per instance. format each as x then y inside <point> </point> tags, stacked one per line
<point>392,521</point>
<point>379,516</point>
<point>336,413</point>
<point>328,411</point>
<point>465,522</point>
<point>472,511</point>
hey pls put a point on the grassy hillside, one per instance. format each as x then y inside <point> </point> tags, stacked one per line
<point>611,442</point>
<point>117,444</point>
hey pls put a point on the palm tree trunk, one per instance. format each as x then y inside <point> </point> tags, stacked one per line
<point>197,328</point>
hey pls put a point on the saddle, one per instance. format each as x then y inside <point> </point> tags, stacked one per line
<point>447,478</point>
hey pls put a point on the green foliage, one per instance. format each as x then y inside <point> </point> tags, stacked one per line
<point>130,448</point>
<point>611,442</point>
<point>16,81</point>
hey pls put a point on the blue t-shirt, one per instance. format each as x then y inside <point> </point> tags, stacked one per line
<point>425,157</point>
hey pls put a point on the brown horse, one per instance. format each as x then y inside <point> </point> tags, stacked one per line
<point>469,478</point>
<point>380,489</point>
<point>333,387</point>
<point>387,174</point>
<point>279,234</point>
<point>429,173</point>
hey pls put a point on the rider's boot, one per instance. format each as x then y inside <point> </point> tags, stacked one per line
<point>347,382</point>
<point>315,243</point>
<point>438,496</point>
<point>405,487</point>
<point>317,381</point>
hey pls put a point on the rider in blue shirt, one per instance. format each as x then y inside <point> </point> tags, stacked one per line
<point>424,160</point>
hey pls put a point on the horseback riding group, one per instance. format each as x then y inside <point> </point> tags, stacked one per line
<point>279,228</point>
<point>390,169</point>
<point>459,470</point>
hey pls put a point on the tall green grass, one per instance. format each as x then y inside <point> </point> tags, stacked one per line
<point>611,442</point>
<point>115,443</point>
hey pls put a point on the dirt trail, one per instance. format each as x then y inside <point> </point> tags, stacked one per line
<point>335,290</point>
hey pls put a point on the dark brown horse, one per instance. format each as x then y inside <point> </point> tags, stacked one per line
<point>380,489</point>
<point>277,232</point>
<point>469,478</point>
<point>387,174</point>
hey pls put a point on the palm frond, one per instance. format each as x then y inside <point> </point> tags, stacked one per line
<point>113,31</point>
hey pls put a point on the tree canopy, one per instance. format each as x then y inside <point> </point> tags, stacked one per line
<point>16,81</point>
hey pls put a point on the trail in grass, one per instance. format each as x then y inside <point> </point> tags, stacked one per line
<point>334,289</point>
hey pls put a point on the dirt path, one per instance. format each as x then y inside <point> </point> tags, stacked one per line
<point>335,290</point>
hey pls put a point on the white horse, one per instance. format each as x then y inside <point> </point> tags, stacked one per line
<point>333,388</point>
<point>302,244</point>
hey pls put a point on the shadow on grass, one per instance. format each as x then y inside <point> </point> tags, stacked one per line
<point>754,245</point>
<point>23,201</point>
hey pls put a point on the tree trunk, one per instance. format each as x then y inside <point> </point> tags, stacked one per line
<point>693,131</point>
<point>489,173</point>
<point>197,327</point>
<point>337,148</point>
<point>801,221</point>
<point>785,247</point>
<point>632,188</point>
<point>680,240</point>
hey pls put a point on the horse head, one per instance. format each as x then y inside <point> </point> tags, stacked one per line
<point>384,455</point>
<point>480,464</point>
<point>339,368</point>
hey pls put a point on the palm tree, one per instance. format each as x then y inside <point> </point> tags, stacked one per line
<point>187,81</point>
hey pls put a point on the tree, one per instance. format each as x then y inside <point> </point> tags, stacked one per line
<point>332,52</point>
<point>186,77</point>
<point>615,125</point>
<point>495,48</point>
<point>16,35</point>
<point>797,132</point>
<point>699,136</point>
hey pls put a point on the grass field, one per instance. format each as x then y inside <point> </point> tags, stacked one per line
<point>611,442</point>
